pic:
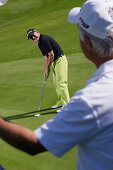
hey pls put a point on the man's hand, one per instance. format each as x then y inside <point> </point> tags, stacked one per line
<point>46,73</point>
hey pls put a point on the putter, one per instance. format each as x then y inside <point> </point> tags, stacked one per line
<point>41,98</point>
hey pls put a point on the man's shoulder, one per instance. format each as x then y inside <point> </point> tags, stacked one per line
<point>45,37</point>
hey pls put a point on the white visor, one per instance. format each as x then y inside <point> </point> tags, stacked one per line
<point>74,14</point>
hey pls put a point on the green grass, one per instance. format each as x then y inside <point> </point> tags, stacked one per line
<point>20,88</point>
<point>21,73</point>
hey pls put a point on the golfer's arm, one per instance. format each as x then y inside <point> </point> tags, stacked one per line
<point>50,59</point>
<point>20,137</point>
<point>46,61</point>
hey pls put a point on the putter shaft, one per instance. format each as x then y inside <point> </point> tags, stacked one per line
<point>41,98</point>
<point>42,94</point>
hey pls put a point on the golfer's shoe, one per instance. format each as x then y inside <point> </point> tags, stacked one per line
<point>55,106</point>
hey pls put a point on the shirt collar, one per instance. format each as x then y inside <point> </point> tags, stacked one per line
<point>40,37</point>
<point>102,70</point>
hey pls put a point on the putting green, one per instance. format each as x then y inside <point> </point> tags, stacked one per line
<point>20,88</point>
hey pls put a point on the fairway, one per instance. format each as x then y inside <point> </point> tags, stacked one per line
<point>22,74</point>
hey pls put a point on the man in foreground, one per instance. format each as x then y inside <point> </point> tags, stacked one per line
<point>87,120</point>
<point>55,59</point>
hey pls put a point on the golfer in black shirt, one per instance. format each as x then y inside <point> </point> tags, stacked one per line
<point>54,57</point>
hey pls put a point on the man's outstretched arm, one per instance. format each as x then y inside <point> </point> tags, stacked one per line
<point>20,137</point>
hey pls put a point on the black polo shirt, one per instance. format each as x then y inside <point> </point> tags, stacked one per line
<point>47,44</point>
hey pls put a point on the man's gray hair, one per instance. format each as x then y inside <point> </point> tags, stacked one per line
<point>103,47</point>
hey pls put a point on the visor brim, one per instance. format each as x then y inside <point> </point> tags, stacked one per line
<point>74,15</point>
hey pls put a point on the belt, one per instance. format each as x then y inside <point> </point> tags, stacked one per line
<point>61,55</point>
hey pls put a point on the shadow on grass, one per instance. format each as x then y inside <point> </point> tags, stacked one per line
<point>30,114</point>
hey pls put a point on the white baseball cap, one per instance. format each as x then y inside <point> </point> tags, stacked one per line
<point>95,17</point>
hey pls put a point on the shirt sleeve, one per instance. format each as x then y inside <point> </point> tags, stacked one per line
<point>73,125</point>
<point>46,47</point>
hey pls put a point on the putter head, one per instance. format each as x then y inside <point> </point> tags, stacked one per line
<point>37,115</point>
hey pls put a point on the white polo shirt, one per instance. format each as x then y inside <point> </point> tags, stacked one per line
<point>86,121</point>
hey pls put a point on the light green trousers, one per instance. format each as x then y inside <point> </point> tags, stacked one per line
<point>60,76</point>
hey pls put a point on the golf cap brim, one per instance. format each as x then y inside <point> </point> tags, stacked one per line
<point>74,14</point>
<point>30,33</point>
